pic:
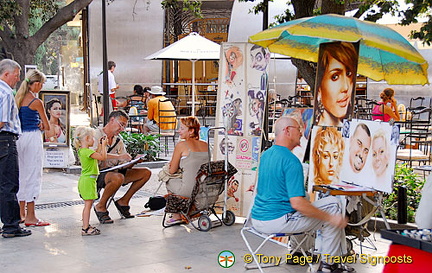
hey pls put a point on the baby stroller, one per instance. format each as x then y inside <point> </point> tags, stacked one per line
<point>211,181</point>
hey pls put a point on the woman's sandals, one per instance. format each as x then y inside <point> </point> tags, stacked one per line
<point>90,231</point>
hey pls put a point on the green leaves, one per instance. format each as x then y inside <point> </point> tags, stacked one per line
<point>140,144</point>
<point>404,176</point>
<point>193,6</point>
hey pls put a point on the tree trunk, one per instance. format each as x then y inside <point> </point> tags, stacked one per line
<point>304,8</point>
<point>333,6</point>
<point>307,70</point>
<point>23,53</point>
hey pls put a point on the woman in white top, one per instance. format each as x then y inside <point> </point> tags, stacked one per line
<point>188,155</point>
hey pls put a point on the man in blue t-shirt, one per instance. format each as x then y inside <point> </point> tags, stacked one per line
<point>280,205</point>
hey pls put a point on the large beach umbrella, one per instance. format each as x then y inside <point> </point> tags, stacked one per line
<point>193,48</point>
<point>384,53</point>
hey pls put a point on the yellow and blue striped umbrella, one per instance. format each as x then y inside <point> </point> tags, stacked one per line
<point>384,53</point>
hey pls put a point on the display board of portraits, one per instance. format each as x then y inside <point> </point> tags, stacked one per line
<point>361,153</point>
<point>335,83</point>
<point>304,117</point>
<point>243,84</point>
<point>57,107</point>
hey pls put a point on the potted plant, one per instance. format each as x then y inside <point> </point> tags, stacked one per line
<point>413,182</point>
<point>141,144</point>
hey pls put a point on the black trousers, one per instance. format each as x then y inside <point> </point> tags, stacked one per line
<point>9,183</point>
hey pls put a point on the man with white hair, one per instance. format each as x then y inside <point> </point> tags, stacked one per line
<point>10,129</point>
<point>280,205</point>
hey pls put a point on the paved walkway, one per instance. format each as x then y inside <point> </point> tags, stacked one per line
<point>140,244</point>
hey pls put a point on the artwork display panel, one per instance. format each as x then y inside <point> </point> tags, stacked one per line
<point>335,83</point>
<point>243,85</point>
<point>57,107</point>
<point>361,153</point>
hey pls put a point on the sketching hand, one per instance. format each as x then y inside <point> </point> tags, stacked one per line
<point>338,220</point>
<point>125,157</point>
<point>141,160</point>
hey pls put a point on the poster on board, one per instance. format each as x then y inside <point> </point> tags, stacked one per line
<point>57,107</point>
<point>361,153</point>
<point>243,82</point>
<point>335,83</point>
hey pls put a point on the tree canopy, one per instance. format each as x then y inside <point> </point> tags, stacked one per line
<point>26,24</point>
<point>370,10</point>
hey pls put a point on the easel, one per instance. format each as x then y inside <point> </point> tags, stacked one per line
<point>373,197</point>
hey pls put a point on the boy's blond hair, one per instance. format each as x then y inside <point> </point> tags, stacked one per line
<point>79,133</point>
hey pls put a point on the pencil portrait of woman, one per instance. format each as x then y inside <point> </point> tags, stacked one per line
<point>328,150</point>
<point>335,83</point>
<point>380,153</point>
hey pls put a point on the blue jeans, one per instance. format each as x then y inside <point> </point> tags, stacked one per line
<point>9,183</point>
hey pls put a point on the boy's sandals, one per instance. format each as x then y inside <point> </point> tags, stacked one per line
<point>89,231</point>
<point>103,217</point>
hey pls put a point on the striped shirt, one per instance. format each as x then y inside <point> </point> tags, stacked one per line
<point>8,110</point>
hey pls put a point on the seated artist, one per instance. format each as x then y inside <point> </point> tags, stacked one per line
<point>280,205</point>
<point>111,181</point>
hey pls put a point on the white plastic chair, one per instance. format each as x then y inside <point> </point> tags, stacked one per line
<point>273,238</point>
<point>292,244</point>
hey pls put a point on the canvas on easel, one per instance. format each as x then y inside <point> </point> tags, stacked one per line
<point>361,154</point>
<point>370,154</point>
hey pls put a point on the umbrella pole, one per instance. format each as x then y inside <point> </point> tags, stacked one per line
<point>193,87</point>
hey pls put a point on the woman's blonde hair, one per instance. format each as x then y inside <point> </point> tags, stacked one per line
<point>79,133</point>
<point>33,76</point>
<point>192,123</point>
<point>326,135</point>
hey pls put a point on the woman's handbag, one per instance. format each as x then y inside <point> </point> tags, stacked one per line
<point>156,203</point>
<point>164,175</point>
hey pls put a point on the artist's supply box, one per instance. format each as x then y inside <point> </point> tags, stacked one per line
<point>417,238</point>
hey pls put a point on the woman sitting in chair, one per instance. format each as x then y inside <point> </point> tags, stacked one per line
<point>387,107</point>
<point>188,155</point>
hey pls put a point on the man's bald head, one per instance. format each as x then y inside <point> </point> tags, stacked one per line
<point>287,132</point>
<point>282,122</point>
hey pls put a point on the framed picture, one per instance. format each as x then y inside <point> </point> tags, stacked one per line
<point>57,107</point>
<point>29,67</point>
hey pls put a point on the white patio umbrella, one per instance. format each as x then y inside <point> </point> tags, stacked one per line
<point>193,48</point>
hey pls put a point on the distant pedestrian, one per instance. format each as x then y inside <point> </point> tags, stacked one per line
<point>30,145</point>
<point>10,129</point>
<point>112,85</point>
<point>83,140</point>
